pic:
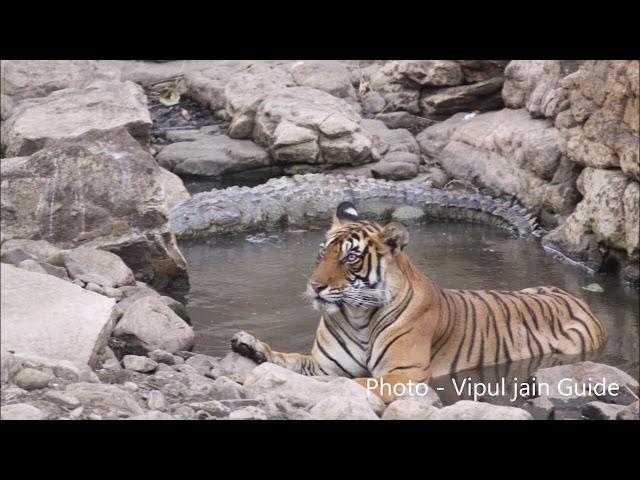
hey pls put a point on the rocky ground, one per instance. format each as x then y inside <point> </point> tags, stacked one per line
<point>92,200</point>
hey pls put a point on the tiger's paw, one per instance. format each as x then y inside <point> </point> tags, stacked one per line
<point>248,346</point>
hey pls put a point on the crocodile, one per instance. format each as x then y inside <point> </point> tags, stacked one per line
<point>304,199</point>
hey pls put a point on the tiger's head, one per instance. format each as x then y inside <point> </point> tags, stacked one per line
<point>357,264</point>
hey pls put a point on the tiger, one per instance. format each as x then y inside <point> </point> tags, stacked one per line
<point>383,319</point>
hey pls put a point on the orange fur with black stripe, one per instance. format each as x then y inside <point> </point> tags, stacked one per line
<point>382,318</point>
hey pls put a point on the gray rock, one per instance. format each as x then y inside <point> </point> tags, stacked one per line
<point>59,272</point>
<point>227,389</point>
<point>32,266</point>
<point>106,396</point>
<point>162,356</point>
<point>112,293</point>
<point>36,317</point>
<point>327,75</point>
<point>185,413</point>
<point>234,366</point>
<point>390,140</point>
<point>139,364</point>
<point>432,177</point>
<point>202,363</point>
<point>271,379</point>
<point>148,324</point>
<point>92,287</point>
<point>174,189</point>
<point>342,408</point>
<point>31,379</point>
<point>470,410</point>
<point>409,409</point>
<point>481,96</point>
<point>21,411</point>
<point>38,78</point>
<point>99,190</point>
<point>72,112</point>
<point>152,415</point>
<point>177,307</point>
<point>213,156</point>
<point>394,171</point>
<point>629,413</point>
<point>601,411</point>
<point>248,413</point>
<point>6,106</point>
<point>413,123</point>
<point>402,157</point>
<point>131,294</point>
<point>212,407</point>
<point>15,256</point>
<point>373,102</point>
<point>61,398</point>
<point>95,266</point>
<point>407,213</point>
<point>540,408</point>
<point>36,249</point>
<point>156,400</point>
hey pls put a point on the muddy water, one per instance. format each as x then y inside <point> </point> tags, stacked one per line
<point>255,283</point>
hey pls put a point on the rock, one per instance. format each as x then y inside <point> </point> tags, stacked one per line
<point>402,157</point>
<point>35,249</point>
<point>569,385</point>
<point>318,128</point>
<point>21,411</point>
<point>407,213</point>
<point>248,413</point>
<point>444,102</point>
<point>151,324</point>
<point>59,272</point>
<point>92,287</point>
<point>202,363</point>
<point>100,190</point>
<point>629,413</point>
<point>139,364</point>
<point>601,411</point>
<point>213,156</point>
<point>512,154</point>
<point>177,307</point>
<point>6,106</point>
<point>480,70</point>
<point>540,408</point>
<point>399,82</point>
<point>599,124</point>
<point>104,396</point>
<point>130,386</point>
<point>608,212</point>
<point>373,102</point>
<point>432,177</point>
<point>32,266</point>
<point>326,75</point>
<point>174,189</point>
<point>133,293</point>
<point>431,398</point>
<point>46,316</point>
<point>152,415</point>
<point>15,256</point>
<point>409,409</point>
<point>102,268</point>
<point>406,120</point>
<point>72,112</point>
<point>184,412</point>
<point>470,410</point>
<point>535,85</point>
<point>162,356</point>
<point>245,92</point>
<point>342,408</point>
<point>394,171</point>
<point>271,379</point>
<point>234,366</point>
<point>75,414</point>
<point>227,389</point>
<point>156,400</point>
<point>212,407</point>
<point>112,293</point>
<point>387,140</point>
<point>38,78</point>
<point>61,398</point>
<point>31,379</point>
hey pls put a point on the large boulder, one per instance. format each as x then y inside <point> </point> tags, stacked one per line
<point>71,112</point>
<point>174,189</point>
<point>327,75</point>
<point>49,317</point>
<point>38,78</point>
<point>99,190</point>
<point>444,102</point>
<point>507,152</point>
<point>386,140</point>
<point>89,265</point>
<point>210,155</point>
<point>147,325</point>
<point>608,215</point>
<point>304,125</point>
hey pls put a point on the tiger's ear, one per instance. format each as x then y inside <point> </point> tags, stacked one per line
<point>395,236</point>
<point>345,213</point>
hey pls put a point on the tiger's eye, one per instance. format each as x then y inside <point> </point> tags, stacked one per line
<point>352,257</point>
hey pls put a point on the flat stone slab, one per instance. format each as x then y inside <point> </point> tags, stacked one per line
<point>46,316</point>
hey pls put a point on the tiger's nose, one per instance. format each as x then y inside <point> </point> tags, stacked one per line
<point>317,287</point>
